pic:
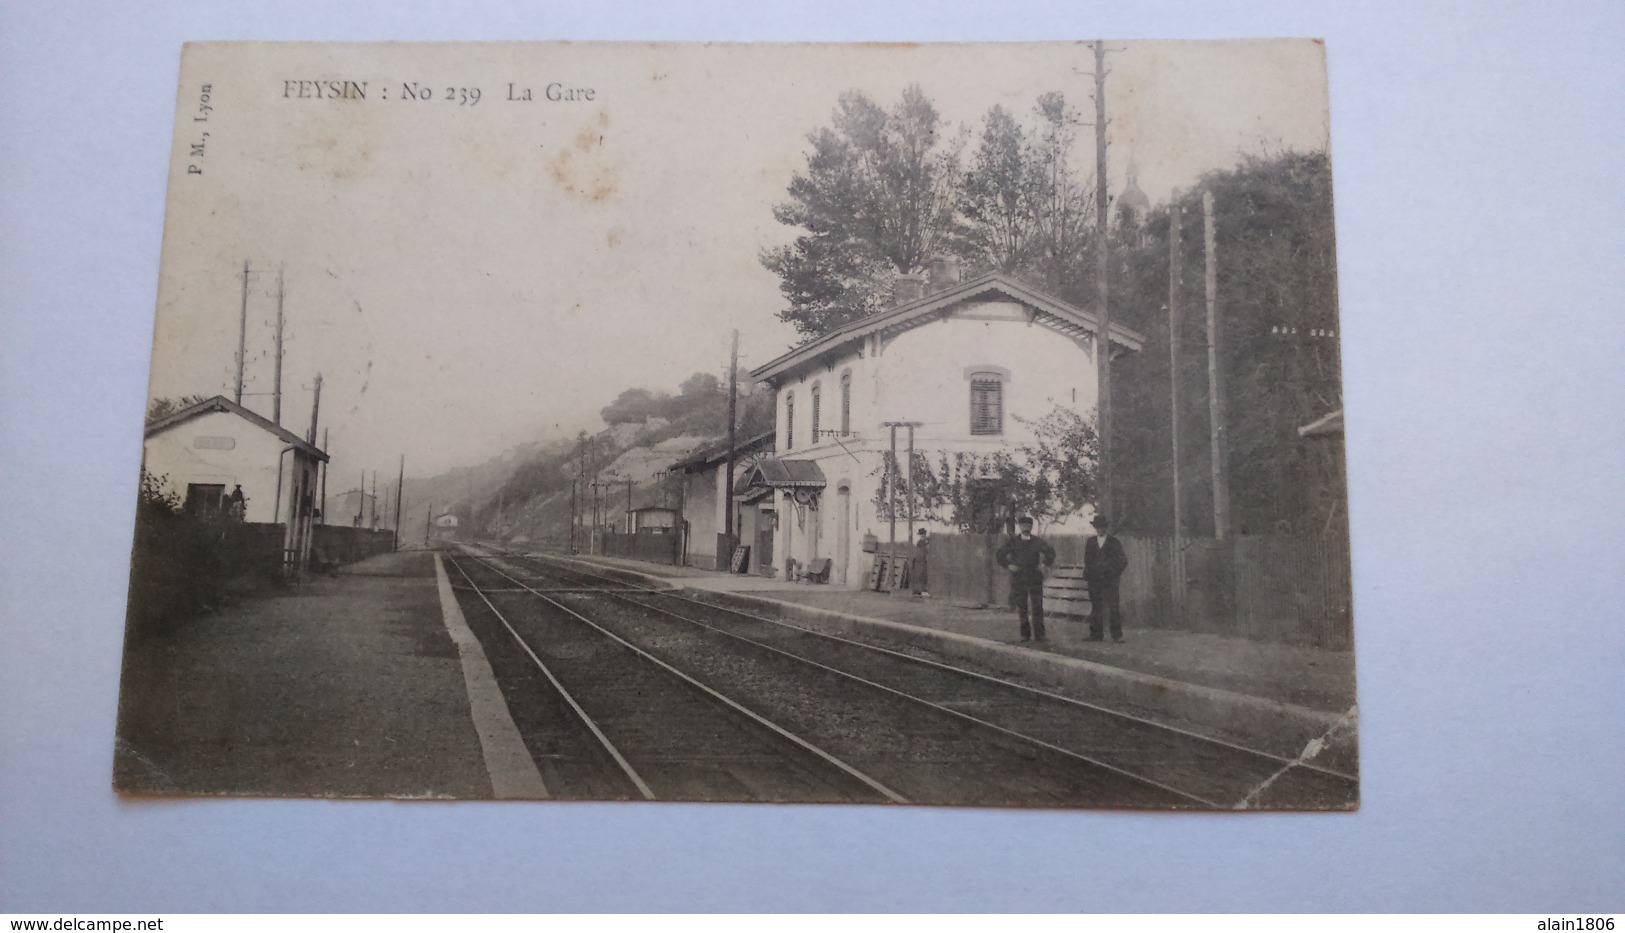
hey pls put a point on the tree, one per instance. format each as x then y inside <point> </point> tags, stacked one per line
<point>632,405</point>
<point>1064,216</point>
<point>1277,296</point>
<point>701,385</point>
<point>160,408</point>
<point>1001,197</point>
<point>1052,477</point>
<point>876,200</point>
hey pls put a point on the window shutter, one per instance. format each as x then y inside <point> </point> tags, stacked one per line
<point>817,411</point>
<point>986,405</point>
<point>846,404</point>
<point>789,422</point>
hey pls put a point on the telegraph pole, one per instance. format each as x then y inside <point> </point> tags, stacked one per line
<point>891,491</point>
<point>910,538</point>
<point>1103,345</point>
<point>276,390</point>
<point>428,522</point>
<point>242,336</point>
<point>324,477</point>
<point>315,410</point>
<point>728,491</point>
<point>1175,217</point>
<point>891,478</point>
<point>1215,385</point>
<point>581,479</point>
<point>596,512</point>
<point>399,485</point>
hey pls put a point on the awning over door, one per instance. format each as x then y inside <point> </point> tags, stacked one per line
<point>785,474</point>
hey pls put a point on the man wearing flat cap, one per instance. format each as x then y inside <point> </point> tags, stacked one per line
<point>1026,556</point>
<point>1103,564</point>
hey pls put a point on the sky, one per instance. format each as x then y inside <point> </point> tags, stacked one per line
<point>467,277</point>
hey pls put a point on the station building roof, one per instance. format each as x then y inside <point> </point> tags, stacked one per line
<point>222,404</point>
<point>1045,309</point>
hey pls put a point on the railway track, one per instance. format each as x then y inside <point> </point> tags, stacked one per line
<point>605,719</point>
<point>1193,770</point>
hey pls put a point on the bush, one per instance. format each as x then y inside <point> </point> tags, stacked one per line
<point>180,562</point>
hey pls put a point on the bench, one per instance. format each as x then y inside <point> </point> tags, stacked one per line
<point>817,571</point>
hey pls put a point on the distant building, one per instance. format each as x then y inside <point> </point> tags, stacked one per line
<point>652,519</point>
<point>445,527</point>
<point>962,360</point>
<point>1133,208</point>
<point>704,500</point>
<point>352,507</point>
<point>203,453</point>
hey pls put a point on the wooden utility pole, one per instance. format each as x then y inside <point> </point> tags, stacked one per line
<point>372,513</point>
<point>361,501</point>
<point>1103,343</point>
<point>629,505</point>
<point>428,523</point>
<point>324,477</point>
<point>399,485</point>
<point>315,410</point>
<point>1215,385</point>
<point>575,502</point>
<point>597,513</point>
<point>728,490</point>
<point>910,538</point>
<point>1175,216</point>
<point>891,479</point>
<point>891,491</point>
<point>242,336</point>
<point>276,389</point>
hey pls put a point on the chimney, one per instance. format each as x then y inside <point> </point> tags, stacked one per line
<point>906,288</point>
<point>944,272</point>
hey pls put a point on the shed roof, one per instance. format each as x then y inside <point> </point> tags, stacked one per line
<point>221,403</point>
<point>716,453</point>
<point>1053,312</point>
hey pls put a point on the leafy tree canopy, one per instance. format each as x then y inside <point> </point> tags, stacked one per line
<point>884,191</point>
<point>876,201</point>
<point>160,408</point>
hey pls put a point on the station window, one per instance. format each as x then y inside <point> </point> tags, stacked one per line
<point>817,410</point>
<point>846,404</point>
<point>205,497</point>
<point>986,403</point>
<point>789,422</point>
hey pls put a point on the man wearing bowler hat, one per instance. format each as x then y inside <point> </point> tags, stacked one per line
<point>1023,556</point>
<point>1103,564</point>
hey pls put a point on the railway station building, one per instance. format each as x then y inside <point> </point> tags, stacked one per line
<point>959,361</point>
<point>204,453</point>
<point>705,498</point>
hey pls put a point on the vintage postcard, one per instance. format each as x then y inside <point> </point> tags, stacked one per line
<point>946,424</point>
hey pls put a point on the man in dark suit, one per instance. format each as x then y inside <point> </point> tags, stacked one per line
<point>1026,556</point>
<point>1104,561</point>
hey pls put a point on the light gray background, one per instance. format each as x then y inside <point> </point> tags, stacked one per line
<point>1479,208</point>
